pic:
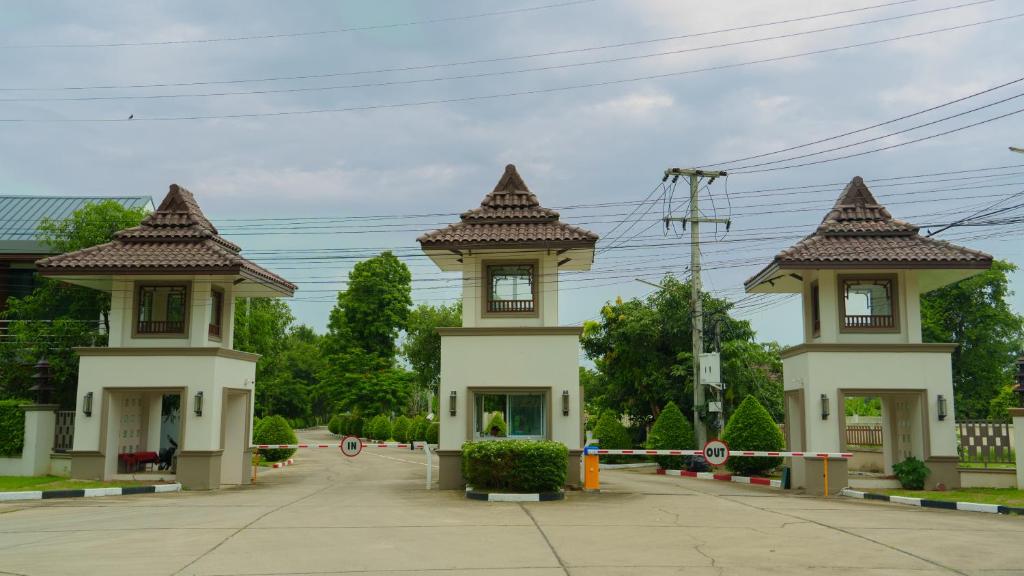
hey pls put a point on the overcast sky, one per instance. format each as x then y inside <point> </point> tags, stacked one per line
<point>283,185</point>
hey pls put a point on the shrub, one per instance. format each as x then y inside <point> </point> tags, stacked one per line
<point>911,473</point>
<point>417,429</point>
<point>515,465</point>
<point>400,429</point>
<point>671,431</point>
<point>497,421</point>
<point>379,428</point>
<point>612,435</point>
<point>751,427</point>
<point>275,430</point>
<point>334,424</point>
<point>355,426</point>
<point>343,423</point>
<point>12,427</point>
<point>433,432</point>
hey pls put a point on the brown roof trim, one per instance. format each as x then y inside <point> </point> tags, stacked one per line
<point>934,348</point>
<point>893,264</point>
<point>204,351</point>
<point>513,331</point>
<point>239,270</point>
<point>507,244</point>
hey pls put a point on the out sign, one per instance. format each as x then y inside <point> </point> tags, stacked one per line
<point>716,452</point>
<point>351,446</point>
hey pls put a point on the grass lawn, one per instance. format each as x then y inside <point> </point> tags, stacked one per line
<point>1003,496</point>
<point>31,483</point>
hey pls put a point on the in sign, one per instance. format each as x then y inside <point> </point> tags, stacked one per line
<point>351,446</point>
<point>716,452</point>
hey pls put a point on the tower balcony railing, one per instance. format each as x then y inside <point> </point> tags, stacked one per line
<point>869,321</point>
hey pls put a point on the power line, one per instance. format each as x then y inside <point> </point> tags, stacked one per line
<point>305,34</point>
<point>484,97</point>
<point>459,63</point>
<point>477,75</point>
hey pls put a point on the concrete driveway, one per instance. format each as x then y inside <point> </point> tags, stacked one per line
<point>328,514</point>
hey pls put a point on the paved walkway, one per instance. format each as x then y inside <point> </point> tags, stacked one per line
<point>332,515</point>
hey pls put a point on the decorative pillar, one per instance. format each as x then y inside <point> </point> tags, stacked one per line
<point>1018,440</point>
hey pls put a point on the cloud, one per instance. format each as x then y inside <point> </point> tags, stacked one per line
<point>635,106</point>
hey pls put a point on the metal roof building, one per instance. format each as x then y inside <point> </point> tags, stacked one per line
<point>20,217</point>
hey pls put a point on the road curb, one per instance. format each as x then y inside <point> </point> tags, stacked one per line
<point>283,463</point>
<point>506,497</point>
<point>88,492</point>
<point>757,480</point>
<point>925,503</point>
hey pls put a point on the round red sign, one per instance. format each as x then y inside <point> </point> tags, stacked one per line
<point>351,446</point>
<point>716,452</point>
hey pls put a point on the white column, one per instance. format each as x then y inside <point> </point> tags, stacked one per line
<point>1018,441</point>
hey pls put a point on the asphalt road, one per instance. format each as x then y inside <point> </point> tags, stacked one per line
<point>329,514</point>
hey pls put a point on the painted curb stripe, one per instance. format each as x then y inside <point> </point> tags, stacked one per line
<point>499,497</point>
<point>88,492</point>
<point>723,477</point>
<point>940,504</point>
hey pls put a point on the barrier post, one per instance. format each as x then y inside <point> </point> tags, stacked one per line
<point>255,465</point>
<point>826,477</point>
<point>591,471</point>
<point>430,464</point>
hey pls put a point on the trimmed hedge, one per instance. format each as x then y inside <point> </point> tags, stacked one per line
<point>275,430</point>
<point>354,426</point>
<point>12,428</point>
<point>515,465</point>
<point>751,427</point>
<point>612,435</point>
<point>498,421</point>
<point>379,428</point>
<point>433,432</point>
<point>334,424</point>
<point>671,431</point>
<point>400,429</point>
<point>418,429</point>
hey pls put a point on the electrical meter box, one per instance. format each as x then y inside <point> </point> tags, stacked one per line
<point>711,368</point>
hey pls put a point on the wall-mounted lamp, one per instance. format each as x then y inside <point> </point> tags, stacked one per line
<point>824,407</point>
<point>87,404</point>
<point>565,402</point>
<point>943,409</point>
<point>198,403</point>
<point>452,401</point>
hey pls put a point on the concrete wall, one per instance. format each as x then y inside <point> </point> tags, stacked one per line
<point>545,358</point>
<point>474,282</point>
<point>988,478</point>
<point>123,304</point>
<point>40,424</point>
<point>908,308</point>
<point>869,372</point>
<point>867,461</point>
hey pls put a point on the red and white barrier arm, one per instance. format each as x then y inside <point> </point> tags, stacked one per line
<point>732,453</point>
<point>365,445</point>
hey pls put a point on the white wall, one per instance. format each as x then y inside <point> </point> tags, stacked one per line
<point>474,281</point>
<point>122,307</point>
<point>826,372</point>
<point>510,361</point>
<point>908,308</point>
<point>209,374</point>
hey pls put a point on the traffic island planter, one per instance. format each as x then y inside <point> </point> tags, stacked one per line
<point>486,496</point>
<point>943,504</point>
<point>88,492</point>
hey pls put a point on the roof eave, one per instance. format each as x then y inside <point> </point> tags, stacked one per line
<point>502,245</point>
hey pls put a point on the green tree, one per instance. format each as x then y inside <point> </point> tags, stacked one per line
<point>422,345</point>
<point>975,314</point>
<point>643,349</point>
<point>671,431</point>
<point>373,309</point>
<point>612,435</point>
<point>754,369</point>
<point>57,317</point>
<point>356,380</point>
<point>751,427</point>
<point>999,407</point>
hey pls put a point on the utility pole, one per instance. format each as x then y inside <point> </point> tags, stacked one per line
<point>696,304</point>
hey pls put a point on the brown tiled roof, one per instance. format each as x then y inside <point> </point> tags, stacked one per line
<point>510,215</point>
<point>175,239</point>
<point>860,232</point>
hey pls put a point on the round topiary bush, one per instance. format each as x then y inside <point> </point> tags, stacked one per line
<point>497,426</point>
<point>275,430</point>
<point>751,427</point>
<point>515,465</point>
<point>612,435</point>
<point>671,431</point>
<point>334,424</point>
<point>400,429</point>
<point>379,428</point>
<point>417,429</point>
<point>355,426</point>
<point>433,432</point>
